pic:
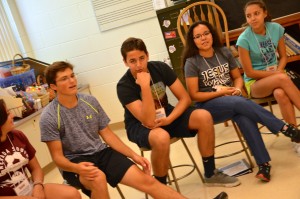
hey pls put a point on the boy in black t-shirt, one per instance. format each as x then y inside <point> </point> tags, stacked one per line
<point>150,121</point>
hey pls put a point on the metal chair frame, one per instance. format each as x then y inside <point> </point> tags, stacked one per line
<point>117,187</point>
<point>175,179</point>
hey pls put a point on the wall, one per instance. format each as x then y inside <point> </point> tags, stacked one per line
<point>67,30</point>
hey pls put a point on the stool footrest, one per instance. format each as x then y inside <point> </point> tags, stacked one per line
<point>185,175</point>
<point>230,154</point>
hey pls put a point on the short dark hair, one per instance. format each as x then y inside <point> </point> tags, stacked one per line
<point>190,48</point>
<point>3,114</point>
<point>131,44</point>
<point>54,68</point>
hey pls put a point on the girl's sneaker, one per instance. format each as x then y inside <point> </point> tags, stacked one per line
<point>297,148</point>
<point>264,172</point>
<point>292,132</point>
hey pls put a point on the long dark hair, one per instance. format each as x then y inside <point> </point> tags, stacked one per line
<point>190,48</point>
<point>3,114</point>
<point>262,5</point>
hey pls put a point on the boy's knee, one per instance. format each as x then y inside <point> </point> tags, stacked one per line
<point>73,193</point>
<point>98,181</point>
<point>101,178</point>
<point>159,138</point>
<point>149,181</point>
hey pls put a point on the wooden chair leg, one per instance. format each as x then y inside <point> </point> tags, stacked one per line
<point>270,106</point>
<point>226,124</point>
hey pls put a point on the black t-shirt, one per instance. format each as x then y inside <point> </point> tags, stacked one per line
<point>128,91</point>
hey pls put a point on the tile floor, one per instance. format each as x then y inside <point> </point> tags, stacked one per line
<point>285,171</point>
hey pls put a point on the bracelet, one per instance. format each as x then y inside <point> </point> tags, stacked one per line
<point>38,183</point>
<point>237,89</point>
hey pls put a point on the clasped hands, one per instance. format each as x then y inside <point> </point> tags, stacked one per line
<point>159,122</point>
<point>229,91</point>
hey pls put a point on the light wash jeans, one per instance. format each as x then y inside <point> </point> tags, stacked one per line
<point>246,114</point>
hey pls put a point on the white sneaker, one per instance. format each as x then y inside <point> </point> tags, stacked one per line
<point>220,179</point>
<point>297,148</point>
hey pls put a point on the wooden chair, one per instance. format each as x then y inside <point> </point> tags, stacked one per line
<point>204,11</point>
<point>174,178</point>
<point>211,12</point>
<point>265,100</point>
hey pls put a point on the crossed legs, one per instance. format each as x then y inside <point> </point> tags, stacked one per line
<point>284,90</point>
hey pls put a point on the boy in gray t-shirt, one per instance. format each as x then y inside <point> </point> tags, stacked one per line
<point>75,133</point>
<point>71,125</point>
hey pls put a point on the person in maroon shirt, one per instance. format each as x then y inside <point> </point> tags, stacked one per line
<point>17,157</point>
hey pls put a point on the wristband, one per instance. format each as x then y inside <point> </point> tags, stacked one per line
<point>237,89</point>
<point>38,183</point>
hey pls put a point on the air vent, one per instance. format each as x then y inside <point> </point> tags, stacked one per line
<point>115,13</point>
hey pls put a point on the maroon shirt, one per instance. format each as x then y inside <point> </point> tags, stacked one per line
<point>13,158</point>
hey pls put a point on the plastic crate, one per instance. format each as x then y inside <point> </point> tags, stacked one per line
<point>23,80</point>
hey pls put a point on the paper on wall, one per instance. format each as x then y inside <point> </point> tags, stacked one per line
<point>159,4</point>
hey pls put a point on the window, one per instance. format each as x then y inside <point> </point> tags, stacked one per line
<point>8,43</point>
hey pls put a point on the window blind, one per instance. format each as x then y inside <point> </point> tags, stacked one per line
<point>8,44</point>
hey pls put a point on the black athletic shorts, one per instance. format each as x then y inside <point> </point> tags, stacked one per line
<point>139,134</point>
<point>109,161</point>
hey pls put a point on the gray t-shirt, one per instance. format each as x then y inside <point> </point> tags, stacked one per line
<point>211,73</point>
<point>77,128</point>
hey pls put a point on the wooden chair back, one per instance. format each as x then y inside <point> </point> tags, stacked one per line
<point>204,11</point>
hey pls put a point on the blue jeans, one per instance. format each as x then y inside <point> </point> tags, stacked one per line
<point>246,114</point>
